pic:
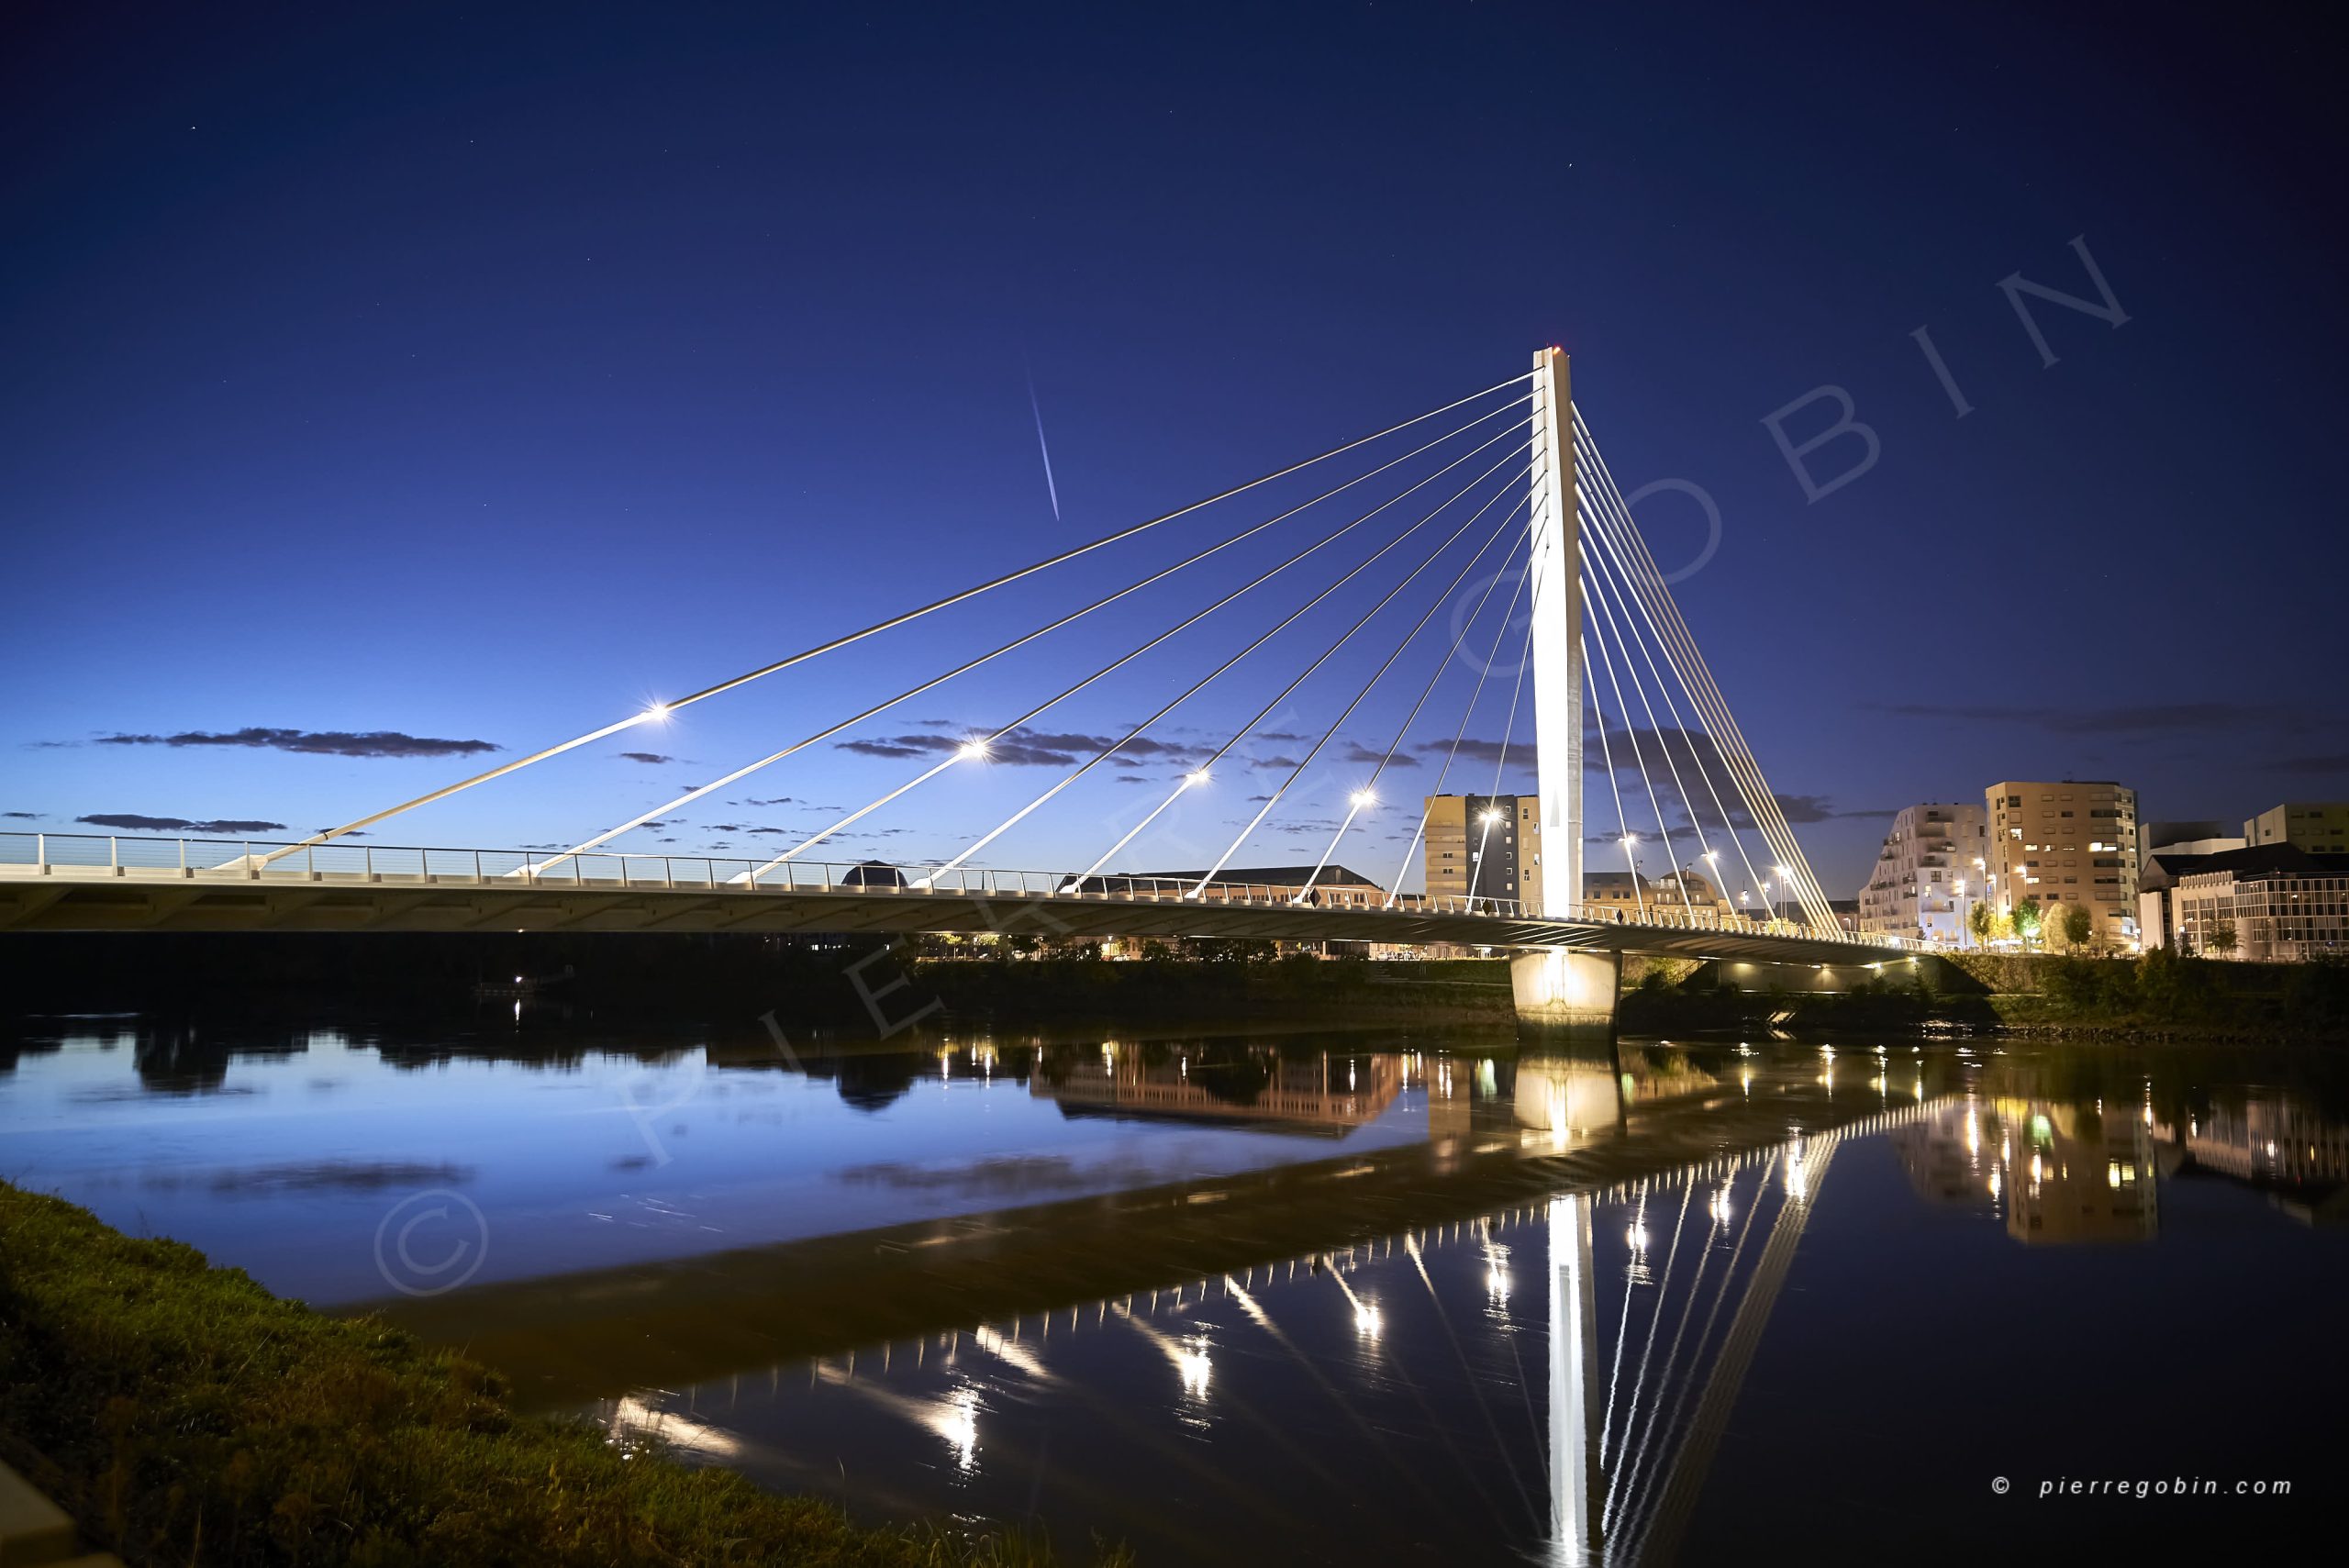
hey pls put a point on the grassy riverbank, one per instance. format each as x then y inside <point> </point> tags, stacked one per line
<point>181,1414</point>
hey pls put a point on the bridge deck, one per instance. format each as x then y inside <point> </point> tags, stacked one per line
<point>131,885</point>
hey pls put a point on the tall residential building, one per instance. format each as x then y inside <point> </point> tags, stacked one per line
<point>2073,842</point>
<point>2321,827</point>
<point>1496,858</point>
<point>1929,871</point>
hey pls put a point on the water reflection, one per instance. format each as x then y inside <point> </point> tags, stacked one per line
<point>1224,1081</point>
<point>1332,1297</point>
<point>2059,1173</point>
<point>1579,1416</point>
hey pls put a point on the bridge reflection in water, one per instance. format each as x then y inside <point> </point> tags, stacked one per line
<point>1555,1371</point>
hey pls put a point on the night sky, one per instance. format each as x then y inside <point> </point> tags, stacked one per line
<point>389,385</point>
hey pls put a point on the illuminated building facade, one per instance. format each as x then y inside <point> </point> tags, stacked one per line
<point>1488,846</point>
<point>2065,844</point>
<point>1932,870</point>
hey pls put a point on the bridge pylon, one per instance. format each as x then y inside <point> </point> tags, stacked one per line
<point>1557,988</point>
<point>1556,641</point>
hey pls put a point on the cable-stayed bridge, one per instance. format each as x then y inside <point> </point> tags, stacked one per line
<point>1584,650</point>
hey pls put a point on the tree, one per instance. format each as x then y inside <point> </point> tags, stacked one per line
<point>2078,924</point>
<point>2026,921</point>
<point>1980,921</point>
<point>2219,936</point>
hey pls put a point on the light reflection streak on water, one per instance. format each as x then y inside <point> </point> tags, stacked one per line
<point>1639,1427</point>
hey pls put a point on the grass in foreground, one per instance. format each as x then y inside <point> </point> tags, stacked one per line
<point>186,1416</point>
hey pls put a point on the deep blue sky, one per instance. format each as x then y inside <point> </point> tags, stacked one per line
<point>480,372</point>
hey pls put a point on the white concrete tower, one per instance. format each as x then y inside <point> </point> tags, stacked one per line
<point>1557,634</point>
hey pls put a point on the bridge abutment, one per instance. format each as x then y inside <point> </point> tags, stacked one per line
<point>1561,989</point>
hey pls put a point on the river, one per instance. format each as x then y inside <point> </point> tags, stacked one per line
<point>1366,1295</point>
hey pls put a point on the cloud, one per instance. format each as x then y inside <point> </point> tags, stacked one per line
<point>1122,778</point>
<point>1796,809</point>
<point>1019,748</point>
<point>1143,746</point>
<point>901,746</point>
<point>2145,718</point>
<point>319,742</point>
<point>654,756</point>
<point>2324,762</point>
<point>778,800</point>
<point>1274,763</point>
<point>1358,752</point>
<point>1475,751</point>
<point>131,822</point>
<point>1813,808</point>
<point>22,816</point>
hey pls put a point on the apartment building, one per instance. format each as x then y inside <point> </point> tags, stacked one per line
<point>2073,842</point>
<point>1930,871</point>
<point>1486,845</point>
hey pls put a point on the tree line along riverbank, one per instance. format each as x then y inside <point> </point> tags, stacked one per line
<point>871,985</point>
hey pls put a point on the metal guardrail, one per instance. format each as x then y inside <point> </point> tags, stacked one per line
<point>262,860</point>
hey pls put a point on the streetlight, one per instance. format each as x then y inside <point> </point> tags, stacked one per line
<point>973,751</point>
<point>1786,879</point>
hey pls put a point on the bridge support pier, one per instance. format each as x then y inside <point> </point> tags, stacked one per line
<point>1560,989</point>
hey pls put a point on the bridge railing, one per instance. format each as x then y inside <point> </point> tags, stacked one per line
<point>255,859</point>
<point>246,860</point>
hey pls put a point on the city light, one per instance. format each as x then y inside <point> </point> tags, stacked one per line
<point>1490,816</point>
<point>1191,1365</point>
<point>1196,777</point>
<point>1363,797</point>
<point>973,751</point>
<point>656,712</point>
